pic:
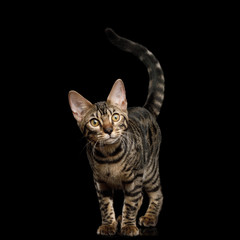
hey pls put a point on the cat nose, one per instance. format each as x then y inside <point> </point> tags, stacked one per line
<point>108,130</point>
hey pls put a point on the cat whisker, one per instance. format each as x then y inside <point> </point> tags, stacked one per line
<point>84,147</point>
<point>127,139</point>
<point>94,146</point>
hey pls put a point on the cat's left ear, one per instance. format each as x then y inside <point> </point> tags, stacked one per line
<point>117,96</point>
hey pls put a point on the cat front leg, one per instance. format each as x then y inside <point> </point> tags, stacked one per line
<point>105,198</point>
<point>132,203</point>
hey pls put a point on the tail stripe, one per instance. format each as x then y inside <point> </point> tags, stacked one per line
<point>156,78</point>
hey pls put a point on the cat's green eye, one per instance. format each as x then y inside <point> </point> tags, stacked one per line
<point>94,122</point>
<point>115,117</point>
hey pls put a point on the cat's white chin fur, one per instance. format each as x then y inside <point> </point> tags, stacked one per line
<point>111,140</point>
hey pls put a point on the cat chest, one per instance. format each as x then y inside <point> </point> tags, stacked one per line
<point>111,174</point>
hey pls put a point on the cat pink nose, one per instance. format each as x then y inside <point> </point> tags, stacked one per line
<point>108,130</point>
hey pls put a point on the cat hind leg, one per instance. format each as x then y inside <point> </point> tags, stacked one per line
<point>150,218</point>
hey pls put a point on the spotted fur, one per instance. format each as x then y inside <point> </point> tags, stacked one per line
<point>123,146</point>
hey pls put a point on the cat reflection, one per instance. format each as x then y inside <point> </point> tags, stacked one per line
<point>151,232</point>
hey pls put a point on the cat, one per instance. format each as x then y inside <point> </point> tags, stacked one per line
<point>123,145</point>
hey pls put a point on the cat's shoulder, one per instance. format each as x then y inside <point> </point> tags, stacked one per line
<point>139,113</point>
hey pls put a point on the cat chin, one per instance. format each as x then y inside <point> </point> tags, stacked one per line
<point>111,140</point>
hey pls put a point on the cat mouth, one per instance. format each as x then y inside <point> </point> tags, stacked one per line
<point>111,140</point>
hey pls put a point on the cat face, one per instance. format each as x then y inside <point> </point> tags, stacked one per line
<point>102,122</point>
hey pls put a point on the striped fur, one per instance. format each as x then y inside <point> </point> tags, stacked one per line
<point>156,78</point>
<point>128,159</point>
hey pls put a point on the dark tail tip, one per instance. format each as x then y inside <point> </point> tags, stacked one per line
<point>111,34</point>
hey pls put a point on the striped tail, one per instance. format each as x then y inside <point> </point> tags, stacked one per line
<point>156,78</point>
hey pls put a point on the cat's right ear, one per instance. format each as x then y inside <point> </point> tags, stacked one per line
<point>79,105</point>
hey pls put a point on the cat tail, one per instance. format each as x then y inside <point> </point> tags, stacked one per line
<point>156,78</point>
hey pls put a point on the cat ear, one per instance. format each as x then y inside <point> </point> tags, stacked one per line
<point>78,104</point>
<point>117,95</point>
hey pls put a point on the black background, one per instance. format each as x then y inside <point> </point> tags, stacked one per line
<point>55,50</point>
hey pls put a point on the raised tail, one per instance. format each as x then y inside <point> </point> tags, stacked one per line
<point>156,78</point>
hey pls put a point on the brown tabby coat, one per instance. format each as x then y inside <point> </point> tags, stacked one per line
<point>123,145</point>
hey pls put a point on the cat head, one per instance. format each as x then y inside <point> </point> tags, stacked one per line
<point>102,122</point>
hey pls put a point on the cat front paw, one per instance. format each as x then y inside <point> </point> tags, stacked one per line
<point>109,230</point>
<point>130,230</point>
<point>148,220</point>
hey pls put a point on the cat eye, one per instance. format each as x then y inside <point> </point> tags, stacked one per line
<point>115,117</point>
<point>94,122</point>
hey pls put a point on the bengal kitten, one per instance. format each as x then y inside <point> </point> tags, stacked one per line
<point>123,145</point>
